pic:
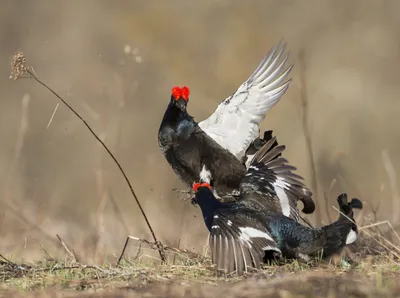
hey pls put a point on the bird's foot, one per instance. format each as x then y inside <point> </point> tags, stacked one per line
<point>303,257</point>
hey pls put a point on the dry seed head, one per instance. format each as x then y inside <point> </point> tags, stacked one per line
<point>18,66</point>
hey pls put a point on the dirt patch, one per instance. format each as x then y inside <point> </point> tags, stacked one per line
<point>301,284</point>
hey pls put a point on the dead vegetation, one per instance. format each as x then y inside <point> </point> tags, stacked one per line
<point>372,269</point>
<point>184,274</point>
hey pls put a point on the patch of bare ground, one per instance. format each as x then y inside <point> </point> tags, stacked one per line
<point>307,283</point>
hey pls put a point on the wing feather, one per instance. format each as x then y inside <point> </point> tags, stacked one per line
<point>270,183</point>
<point>235,123</point>
<point>235,245</point>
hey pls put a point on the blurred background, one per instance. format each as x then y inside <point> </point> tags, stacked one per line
<point>116,61</point>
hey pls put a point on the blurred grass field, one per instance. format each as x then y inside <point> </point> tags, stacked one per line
<point>115,63</point>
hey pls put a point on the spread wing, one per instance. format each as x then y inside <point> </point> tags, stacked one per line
<point>271,184</point>
<point>235,123</point>
<point>238,243</point>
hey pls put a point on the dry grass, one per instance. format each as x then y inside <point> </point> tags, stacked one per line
<point>367,276</point>
<point>372,270</point>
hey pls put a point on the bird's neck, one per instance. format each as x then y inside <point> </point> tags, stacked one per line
<point>176,125</point>
<point>209,205</point>
<point>174,115</point>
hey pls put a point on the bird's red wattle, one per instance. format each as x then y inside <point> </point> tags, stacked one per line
<point>198,184</point>
<point>176,92</point>
<point>185,92</point>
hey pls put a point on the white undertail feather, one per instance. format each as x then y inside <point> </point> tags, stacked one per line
<point>205,175</point>
<point>351,237</point>
<point>235,123</point>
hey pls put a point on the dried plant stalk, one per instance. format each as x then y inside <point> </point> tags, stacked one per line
<point>20,68</point>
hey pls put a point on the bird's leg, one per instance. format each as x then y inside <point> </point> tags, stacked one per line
<point>303,258</point>
<point>299,256</point>
<point>277,255</point>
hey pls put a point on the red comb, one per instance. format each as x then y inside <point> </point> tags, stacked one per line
<point>176,92</point>
<point>185,93</point>
<point>198,184</point>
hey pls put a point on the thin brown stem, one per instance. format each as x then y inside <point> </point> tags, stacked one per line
<point>7,260</point>
<point>29,71</point>
<point>307,134</point>
<point>70,252</point>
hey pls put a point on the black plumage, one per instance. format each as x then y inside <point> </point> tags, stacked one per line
<point>262,224</point>
<point>190,151</point>
<point>271,184</point>
<point>298,189</point>
<point>220,148</point>
<point>241,238</point>
<point>193,154</point>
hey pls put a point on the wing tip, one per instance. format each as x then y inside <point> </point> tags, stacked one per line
<point>273,55</point>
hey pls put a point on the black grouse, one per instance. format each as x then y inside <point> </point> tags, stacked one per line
<point>242,238</point>
<point>257,227</point>
<point>221,146</point>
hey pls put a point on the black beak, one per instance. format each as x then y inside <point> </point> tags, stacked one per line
<point>180,103</point>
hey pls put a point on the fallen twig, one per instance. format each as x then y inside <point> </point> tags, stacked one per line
<point>7,260</point>
<point>42,248</point>
<point>363,229</point>
<point>385,222</point>
<point>151,244</point>
<point>155,246</point>
<point>71,253</point>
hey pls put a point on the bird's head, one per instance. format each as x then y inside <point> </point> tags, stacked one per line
<point>180,97</point>
<point>201,190</point>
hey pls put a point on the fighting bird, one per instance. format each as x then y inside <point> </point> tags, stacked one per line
<point>222,146</point>
<point>242,238</point>
<point>260,226</point>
